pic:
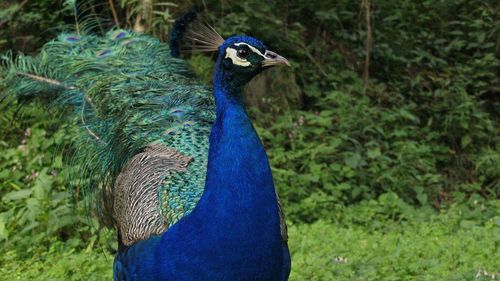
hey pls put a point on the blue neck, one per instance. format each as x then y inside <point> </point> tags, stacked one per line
<point>239,179</point>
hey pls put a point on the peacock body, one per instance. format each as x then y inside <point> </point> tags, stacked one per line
<point>175,166</point>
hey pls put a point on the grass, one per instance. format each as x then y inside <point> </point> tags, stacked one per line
<point>430,250</point>
<point>441,247</point>
<point>59,265</point>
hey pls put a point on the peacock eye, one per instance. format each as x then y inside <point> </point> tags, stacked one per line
<point>243,52</point>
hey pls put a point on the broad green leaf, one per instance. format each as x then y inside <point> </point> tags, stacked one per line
<point>17,195</point>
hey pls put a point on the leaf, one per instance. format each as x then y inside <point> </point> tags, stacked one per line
<point>465,141</point>
<point>422,198</point>
<point>467,223</point>
<point>408,115</point>
<point>4,233</point>
<point>353,160</point>
<point>496,220</point>
<point>17,195</point>
<point>373,153</point>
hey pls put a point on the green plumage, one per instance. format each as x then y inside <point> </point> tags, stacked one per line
<point>126,93</point>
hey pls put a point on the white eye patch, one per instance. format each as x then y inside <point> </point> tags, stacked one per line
<point>255,50</point>
<point>232,54</point>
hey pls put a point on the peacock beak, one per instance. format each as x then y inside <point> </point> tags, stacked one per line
<point>273,59</point>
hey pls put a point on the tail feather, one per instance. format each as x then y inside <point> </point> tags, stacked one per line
<point>126,92</point>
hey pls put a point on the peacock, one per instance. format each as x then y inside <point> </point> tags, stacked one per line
<point>174,165</point>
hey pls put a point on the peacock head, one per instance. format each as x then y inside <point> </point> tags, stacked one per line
<point>239,58</point>
<point>243,57</point>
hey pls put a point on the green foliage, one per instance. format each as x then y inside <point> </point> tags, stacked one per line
<point>24,25</point>
<point>443,247</point>
<point>36,207</point>
<point>154,17</point>
<point>425,126</point>
<point>353,149</point>
<point>58,262</point>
